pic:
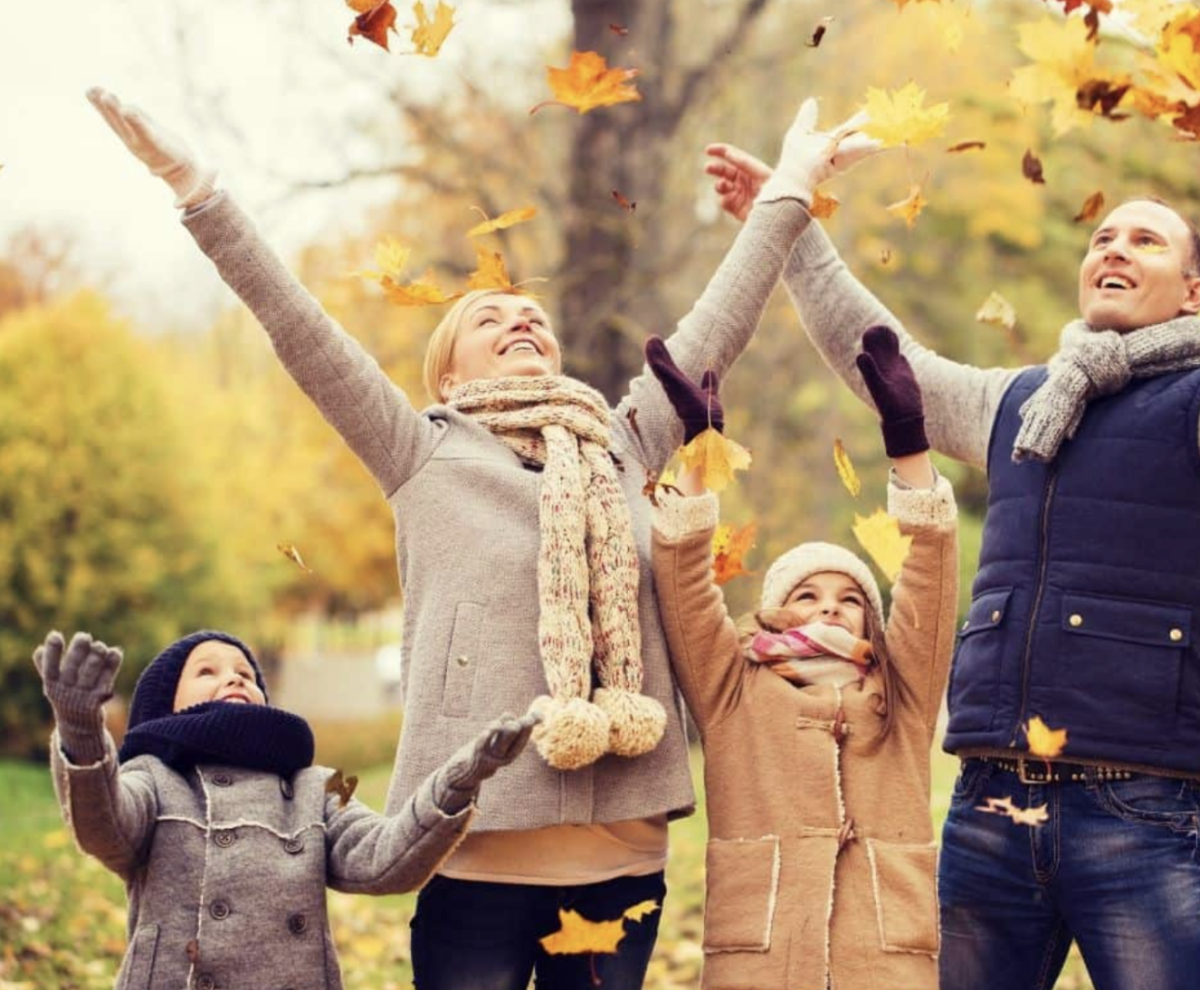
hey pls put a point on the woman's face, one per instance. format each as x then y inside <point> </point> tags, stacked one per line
<point>832,598</point>
<point>217,671</point>
<point>502,335</point>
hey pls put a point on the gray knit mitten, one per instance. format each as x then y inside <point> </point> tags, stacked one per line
<point>77,683</point>
<point>457,781</point>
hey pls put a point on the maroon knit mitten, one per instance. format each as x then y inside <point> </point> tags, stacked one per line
<point>893,387</point>
<point>698,407</point>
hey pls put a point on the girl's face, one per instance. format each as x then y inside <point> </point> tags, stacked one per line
<point>832,598</point>
<point>217,671</point>
<point>503,335</point>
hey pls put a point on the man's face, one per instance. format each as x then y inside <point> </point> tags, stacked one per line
<point>1139,269</point>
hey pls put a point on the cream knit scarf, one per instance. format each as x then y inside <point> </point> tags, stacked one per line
<point>587,555</point>
<point>1091,363</point>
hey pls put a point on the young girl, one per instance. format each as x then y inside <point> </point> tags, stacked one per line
<point>224,833</point>
<point>817,723</point>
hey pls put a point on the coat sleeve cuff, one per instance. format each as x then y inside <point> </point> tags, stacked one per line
<point>678,516</point>
<point>923,506</point>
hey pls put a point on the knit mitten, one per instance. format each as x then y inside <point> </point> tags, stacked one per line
<point>77,683</point>
<point>572,734</point>
<point>166,155</point>
<point>636,721</point>
<point>698,407</point>
<point>894,389</point>
<point>457,781</point>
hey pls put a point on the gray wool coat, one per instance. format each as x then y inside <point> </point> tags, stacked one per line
<point>467,534</point>
<point>226,868</point>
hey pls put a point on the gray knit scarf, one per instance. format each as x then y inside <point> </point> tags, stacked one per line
<point>1091,363</point>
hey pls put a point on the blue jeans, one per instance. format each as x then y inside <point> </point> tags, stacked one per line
<point>1115,868</point>
<point>472,935</point>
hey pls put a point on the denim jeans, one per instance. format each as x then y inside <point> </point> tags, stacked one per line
<point>472,935</point>
<point>1114,868</point>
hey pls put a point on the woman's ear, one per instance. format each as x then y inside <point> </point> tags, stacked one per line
<point>446,383</point>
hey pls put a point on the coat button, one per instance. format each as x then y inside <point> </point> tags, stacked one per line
<point>206,982</point>
<point>1176,635</point>
<point>297,923</point>
<point>996,615</point>
<point>462,660</point>
<point>219,910</point>
<point>1076,620</point>
<point>225,838</point>
<point>286,789</point>
<point>293,846</point>
<point>222,779</point>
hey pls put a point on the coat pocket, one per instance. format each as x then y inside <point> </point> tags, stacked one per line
<point>137,968</point>
<point>904,879</point>
<point>975,671</point>
<point>742,891</point>
<point>462,660</point>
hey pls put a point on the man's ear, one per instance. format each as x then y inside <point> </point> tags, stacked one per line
<point>1191,302</point>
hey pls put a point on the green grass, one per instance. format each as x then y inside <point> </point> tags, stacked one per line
<point>62,915</point>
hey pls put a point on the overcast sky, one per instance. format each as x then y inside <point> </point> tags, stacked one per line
<point>63,168</point>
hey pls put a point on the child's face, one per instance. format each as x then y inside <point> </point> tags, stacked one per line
<point>217,671</point>
<point>832,598</point>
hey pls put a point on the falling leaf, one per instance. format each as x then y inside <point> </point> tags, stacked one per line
<point>966,146</point>
<point>819,33</point>
<point>373,22</point>
<point>729,547</point>
<point>491,273</point>
<point>505,220</point>
<point>578,935</point>
<point>654,483</point>
<point>885,255</point>
<point>998,311</point>
<point>1091,208</point>
<point>289,550</point>
<point>900,117</point>
<point>910,208</point>
<point>1043,740</point>
<point>1020,816</point>
<point>1102,96</point>
<point>343,787</point>
<point>429,35</point>
<point>419,292</point>
<point>879,534</point>
<point>588,83</point>
<point>845,469</point>
<point>823,206</point>
<point>1031,168</point>
<point>716,456</point>
<point>620,30</point>
<point>622,202</point>
<point>192,951</point>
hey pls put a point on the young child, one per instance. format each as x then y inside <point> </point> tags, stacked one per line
<point>817,723</point>
<point>224,832</point>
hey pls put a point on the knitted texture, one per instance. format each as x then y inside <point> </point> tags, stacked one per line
<point>587,555</point>
<point>807,559</point>
<point>1091,363</point>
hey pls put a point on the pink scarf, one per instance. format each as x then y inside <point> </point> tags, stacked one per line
<point>815,653</point>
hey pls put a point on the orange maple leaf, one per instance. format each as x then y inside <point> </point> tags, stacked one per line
<point>373,22</point>
<point>588,83</point>
<point>1091,208</point>
<point>730,546</point>
<point>491,273</point>
<point>823,205</point>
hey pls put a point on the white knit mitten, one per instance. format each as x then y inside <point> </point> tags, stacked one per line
<point>166,155</point>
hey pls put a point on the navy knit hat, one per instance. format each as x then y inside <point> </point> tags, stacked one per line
<point>154,695</point>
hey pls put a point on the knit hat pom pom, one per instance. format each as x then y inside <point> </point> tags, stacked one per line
<point>572,734</point>
<point>637,720</point>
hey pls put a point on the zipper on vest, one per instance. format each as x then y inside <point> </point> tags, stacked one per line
<point>1040,588</point>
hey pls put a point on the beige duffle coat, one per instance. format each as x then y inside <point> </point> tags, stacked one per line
<point>788,906</point>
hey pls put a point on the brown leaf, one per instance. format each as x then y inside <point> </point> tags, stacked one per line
<point>653,484</point>
<point>819,32</point>
<point>1102,96</point>
<point>624,203</point>
<point>730,547</point>
<point>1031,168</point>
<point>343,787</point>
<point>620,30</point>
<point>373,22</point>
<point>966,146</point>
<point>1188,122</point>
<point>1091,208</point>
<point>192,949</point>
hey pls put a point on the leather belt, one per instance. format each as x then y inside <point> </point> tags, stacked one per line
<point>1037,771</point>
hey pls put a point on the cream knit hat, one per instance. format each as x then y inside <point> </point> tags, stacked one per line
<point>812,558</point>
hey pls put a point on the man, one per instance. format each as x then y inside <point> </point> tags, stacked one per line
<point>1082,612</point>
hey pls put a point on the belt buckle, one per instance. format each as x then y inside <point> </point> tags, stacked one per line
<point>1044,776</point>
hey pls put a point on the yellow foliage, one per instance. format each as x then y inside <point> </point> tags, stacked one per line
<point>1043,740</point>
<point>879,534</point>
<point>716,456</point>
<point>901,117</point>
<point>998,311</point>
<point>909,208</point>
<point>587,83</point>
<point>429,35</point>
<point>729,547</point>
<point>845,469</point>
<point>506,219</point>
<point>578,935</point>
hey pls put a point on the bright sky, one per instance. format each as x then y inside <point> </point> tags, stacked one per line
<point>63,168</point>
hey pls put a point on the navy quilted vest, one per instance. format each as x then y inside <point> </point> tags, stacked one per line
<point>1084,610</point>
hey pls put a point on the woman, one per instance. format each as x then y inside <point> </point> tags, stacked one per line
<point>521,532</point>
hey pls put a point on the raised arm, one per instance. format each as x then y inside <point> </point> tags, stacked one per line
<point>835,308</point>
<point>718,327</point>
<point>353,393</point>
<point>111,813</point>
<point>389,854</point>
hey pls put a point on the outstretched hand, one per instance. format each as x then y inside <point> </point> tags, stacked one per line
<point>698,407</point>
<point>166,155</point>
<point>894,389</point>
<point>77,680</point>
<point>457,781</point>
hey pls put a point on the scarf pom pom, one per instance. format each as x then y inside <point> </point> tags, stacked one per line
<point>572,734</point>
<point>637,720</point>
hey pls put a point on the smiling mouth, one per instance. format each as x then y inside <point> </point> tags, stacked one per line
<point>1115,282</point>
<point>239,699</point>
<point>521,345</point>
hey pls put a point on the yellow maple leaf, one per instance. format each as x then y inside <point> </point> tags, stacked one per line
<point>845,468</point>
<point>1043,740</point>
<point>587,82</point>
<point>578,935</point>
<point>729,550</point>
<point>1032,816</point>
<point>716,456</point>
<point>879,534</point>
<point>823,206</point>
<point>429,35</point>
<point>909,208</point>
<point>423,291</point>
<point>491,273</point>
<point>505,220</point>
<point>289,550</point>
<point>998,311</point>
<point>900,117</point>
